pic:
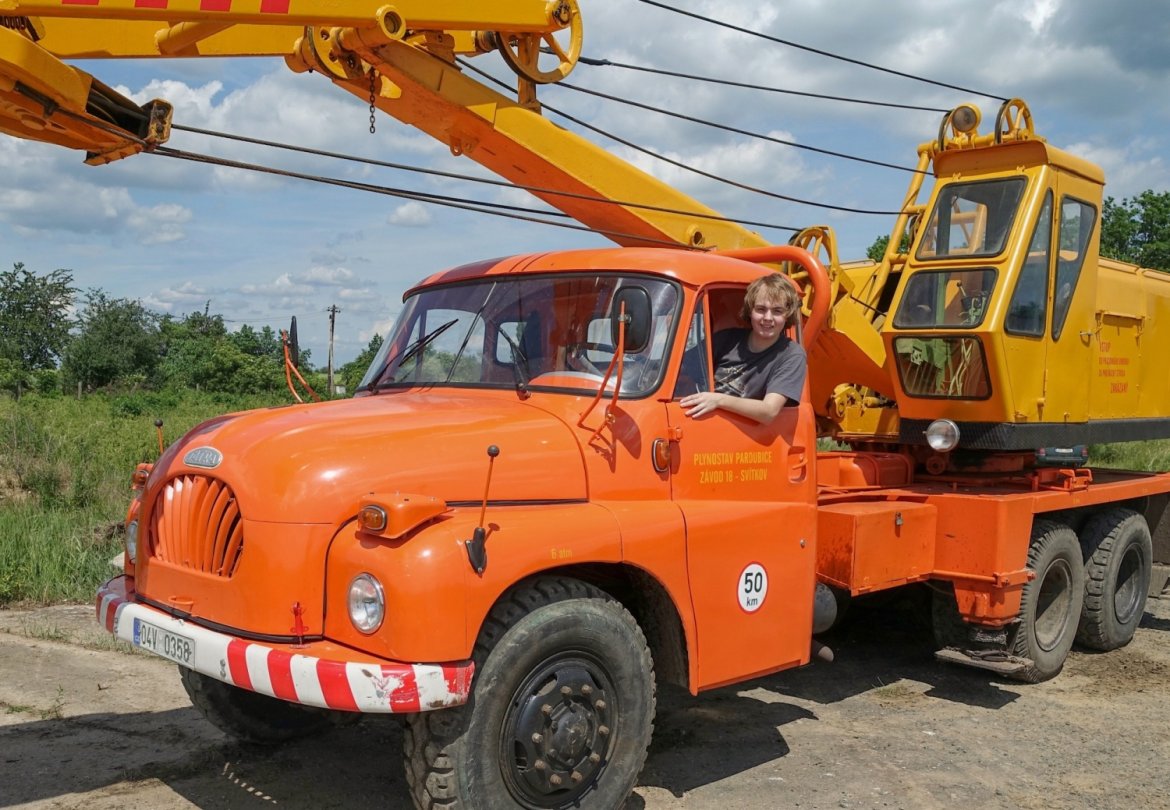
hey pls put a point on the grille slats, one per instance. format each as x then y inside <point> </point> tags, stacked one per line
<point>196,523</point>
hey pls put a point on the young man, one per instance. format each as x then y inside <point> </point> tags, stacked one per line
<point>757,370</point>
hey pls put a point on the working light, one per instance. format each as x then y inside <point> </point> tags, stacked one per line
<point>942,435</point>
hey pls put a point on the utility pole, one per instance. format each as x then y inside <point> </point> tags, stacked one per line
<point>333,310</point>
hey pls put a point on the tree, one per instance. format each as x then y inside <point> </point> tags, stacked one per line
<point>352,372</point>
<point>117,340</point>
<point>34,317</point>
<point>1137,230</point>
<point>877,250</point>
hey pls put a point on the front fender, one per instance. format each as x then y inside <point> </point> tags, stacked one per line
<point>435,602</point>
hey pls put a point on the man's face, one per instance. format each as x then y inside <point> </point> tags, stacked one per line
<point>767,320</point>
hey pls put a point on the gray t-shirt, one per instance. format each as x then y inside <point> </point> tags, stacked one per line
<point>779,369</point>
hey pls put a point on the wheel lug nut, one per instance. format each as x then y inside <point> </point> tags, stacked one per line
<point>540,765</point>
<point>566,691</point>
<point>546,709</point>
<point>555,780</point>
<point>603,731</point>
<point>586,690</point>
<point>594,758</point>
<point>576,776</point>
<point>600,705</point>
<point>538,738</point>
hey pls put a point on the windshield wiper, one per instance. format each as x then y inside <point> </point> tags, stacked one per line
<point>418,345</point>
<point>519,365</point>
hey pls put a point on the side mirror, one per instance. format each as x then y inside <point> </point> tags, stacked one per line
<point>638,317</point>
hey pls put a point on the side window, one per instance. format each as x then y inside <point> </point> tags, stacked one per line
<point>1028,309</point>
<point>1076,227</point>
<point>693,368</point>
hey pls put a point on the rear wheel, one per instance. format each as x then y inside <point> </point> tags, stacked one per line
<point>560,714</point>
<point>253,717</point>
<point>1050,607</point>
<point>1118,561</point>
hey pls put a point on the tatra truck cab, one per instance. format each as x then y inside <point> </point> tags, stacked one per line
<point>512,533</point>
<point>508,534</point>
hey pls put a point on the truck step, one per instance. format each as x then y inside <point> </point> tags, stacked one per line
<point>995,660</point>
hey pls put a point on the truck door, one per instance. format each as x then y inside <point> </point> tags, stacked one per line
<point>748,498</point>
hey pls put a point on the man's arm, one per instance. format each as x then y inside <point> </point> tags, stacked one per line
<point>761,410</point>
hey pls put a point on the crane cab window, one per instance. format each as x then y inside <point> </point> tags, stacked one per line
<point>971,219</point>
<point>1076,227</point>
<point>1028,310</point>
<point>955,299</point>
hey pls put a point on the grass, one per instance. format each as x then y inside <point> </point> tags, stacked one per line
<point>65,466</point>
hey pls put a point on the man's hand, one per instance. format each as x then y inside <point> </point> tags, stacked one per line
<point>701,403</point>
<point>705,402</point>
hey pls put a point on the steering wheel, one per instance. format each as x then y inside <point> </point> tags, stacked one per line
<point>522,51</point>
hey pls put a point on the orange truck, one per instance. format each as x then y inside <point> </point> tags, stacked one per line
<point>512,532</point>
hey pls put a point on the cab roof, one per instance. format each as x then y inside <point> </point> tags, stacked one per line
<point>689,267</point>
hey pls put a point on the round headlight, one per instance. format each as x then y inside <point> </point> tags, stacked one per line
<point>942,435</point>
<point>132,540</point>
<point>367,603</point>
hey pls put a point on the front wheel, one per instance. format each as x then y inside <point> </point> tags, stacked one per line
<point>1050,607</point>
<point>560,715</point>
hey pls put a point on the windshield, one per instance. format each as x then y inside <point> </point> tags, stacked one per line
<point>971,219</point>
<point>531,332</point>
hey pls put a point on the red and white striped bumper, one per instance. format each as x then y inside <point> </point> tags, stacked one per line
<point>388,687</point>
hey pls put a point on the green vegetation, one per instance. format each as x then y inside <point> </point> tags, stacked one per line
<point>65,466</point>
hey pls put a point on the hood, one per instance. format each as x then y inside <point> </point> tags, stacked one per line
<point>312,463</point>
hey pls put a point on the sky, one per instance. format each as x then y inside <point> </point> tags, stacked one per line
<point>258,249</point>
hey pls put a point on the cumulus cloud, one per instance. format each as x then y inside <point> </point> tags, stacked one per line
<point>1092,73</point>
<point>410,215</point>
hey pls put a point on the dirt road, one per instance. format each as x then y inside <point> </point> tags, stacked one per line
<point>883,727</point>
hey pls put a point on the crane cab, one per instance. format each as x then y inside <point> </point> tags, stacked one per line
<point>1006,322</point>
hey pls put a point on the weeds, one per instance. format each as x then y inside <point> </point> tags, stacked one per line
<point>65,466</point>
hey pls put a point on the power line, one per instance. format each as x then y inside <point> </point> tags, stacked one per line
<point>762,87</point>
<point>678,163</point>
<point>473,179</point>
<point>737,130</point>
<point>436,199</point>
<point>818,51</point>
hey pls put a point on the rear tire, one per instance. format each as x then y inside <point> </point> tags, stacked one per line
<point>1050,607</point>
<point>560,714</point>
<point>252,717</point>
<point>1118,563</point>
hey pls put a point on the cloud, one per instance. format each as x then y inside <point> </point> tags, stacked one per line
<point>410,215</point>
<point>263,246</point>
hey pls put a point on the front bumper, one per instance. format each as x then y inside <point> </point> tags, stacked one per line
<point>319,674</point>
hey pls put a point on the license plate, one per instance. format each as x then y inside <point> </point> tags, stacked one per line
<point>172,646</point>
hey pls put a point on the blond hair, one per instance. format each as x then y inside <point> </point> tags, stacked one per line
<point>774,287</point>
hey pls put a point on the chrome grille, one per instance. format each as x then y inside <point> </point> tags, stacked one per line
<point>196,523</point>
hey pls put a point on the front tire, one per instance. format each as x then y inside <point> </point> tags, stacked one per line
<point>1118,562</point>
<point>252,717</point>
<point>1050,607</point>
<point>560,715</point>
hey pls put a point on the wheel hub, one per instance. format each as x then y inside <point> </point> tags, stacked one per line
<point>558,732</point>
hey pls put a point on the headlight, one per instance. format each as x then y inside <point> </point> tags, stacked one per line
<point>942,435</point>
<point>367,603</point>
<point>132,540</point>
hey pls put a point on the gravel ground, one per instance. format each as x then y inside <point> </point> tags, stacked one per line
<point>885,726</point>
